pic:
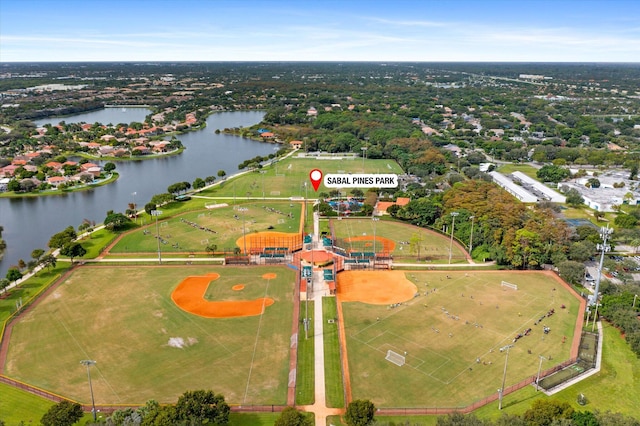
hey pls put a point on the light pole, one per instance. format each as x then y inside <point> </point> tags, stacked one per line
<point>364,156</point>
<point>471,236</point>
<point>374,219</point>
<point>538,375</point>
<point>604,247</point>
<point>89,363</point>
<point>595,317</point>
<point>453,226</point>
<point>634,301</point>
<point>262,172</point>
<point>504,375</point>
<point>157,213</point>
<point>244,235</point>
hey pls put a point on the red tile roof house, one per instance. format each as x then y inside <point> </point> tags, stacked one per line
<point>296,144</point>
<point>54,165</point>
<point>9,170</point>
<point>143,150</point>
<point>267,135</point>
<point>56,180</point>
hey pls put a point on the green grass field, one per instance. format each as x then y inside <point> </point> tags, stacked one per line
<point>180,236</point>
<point>287,178</point>
<point>442,351</point>
<point>125,319</point>
<point>434,248</point>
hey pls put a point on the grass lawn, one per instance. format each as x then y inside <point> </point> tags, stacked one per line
<point>524,168</point>
<point>334,389</point>
<point>182,234</point>
<point>146,347</point>
<point>28,290</point>
<point>305,372</point>
<point>287,178</point>
<point>17,405</point>
<point>453,342</point>
<point>433,246</point>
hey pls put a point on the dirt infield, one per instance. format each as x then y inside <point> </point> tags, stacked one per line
<point>189,296</point>
<point>387,244</point>
<point>319,256</point>
<point>375,287</point>
<point>260,240</point>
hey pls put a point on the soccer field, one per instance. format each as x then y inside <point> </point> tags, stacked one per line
<point>287,178</point>
<point>452,331</point>
<point>194,231</point>
<point>146,346</point>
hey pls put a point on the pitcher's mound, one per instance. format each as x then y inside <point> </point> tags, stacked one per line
<point>238,287</point>
<point>269,276</point>
<point>375,287</point>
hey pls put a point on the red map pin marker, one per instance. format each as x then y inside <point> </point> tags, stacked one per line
<point>316,178</point>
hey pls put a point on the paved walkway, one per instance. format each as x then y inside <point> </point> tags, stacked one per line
<point>317,291</point>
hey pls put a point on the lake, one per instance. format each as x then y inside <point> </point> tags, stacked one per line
<point>29,222</point>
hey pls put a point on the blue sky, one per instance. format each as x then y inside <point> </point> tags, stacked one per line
<point>322,30</point>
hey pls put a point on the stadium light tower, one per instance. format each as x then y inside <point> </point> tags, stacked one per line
<point>453,226</point>
<point>89,363</point>
<point>364,156</point>
<point>504,374</point>
<point>605,233</point>
<point>374,219</point>
<point>157,213</point>
<point>538,375</point>
<point>244,234</point>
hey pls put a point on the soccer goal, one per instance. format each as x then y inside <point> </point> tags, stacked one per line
<point>164,224</point>
<point>395,358</point>
<point>204,242</point>
<point>200,215</point>
<point>509,285</point>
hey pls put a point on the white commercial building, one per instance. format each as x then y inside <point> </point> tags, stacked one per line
<point>538,188</point>
<point>512,188</point>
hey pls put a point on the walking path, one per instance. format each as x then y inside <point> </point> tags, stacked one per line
<point>317,290</point>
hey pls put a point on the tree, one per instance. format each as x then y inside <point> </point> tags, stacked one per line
<point>13,274</point>
<point>62,238</point>
<point>292,417</point>
<point>221,174</point>
<point>73,250</point>
<point>198,183</point>
<point>109,167</point>
<point>211,248</point>
<point>459,419</point>
<point>49,261</point>
<point>4,283</point>
<point>13,185</point>
<point>626,221</point>
<point>360,412</point>
<point>209,180</point>
<point>544,412</point>
<point>552,173</point>
<point>593,183</point>
<point>202,406</point>
<point>115,221</point>
<point>574,199</point>
<point>571,271</point>
<point>64,413</point>
<point>149,207</point>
